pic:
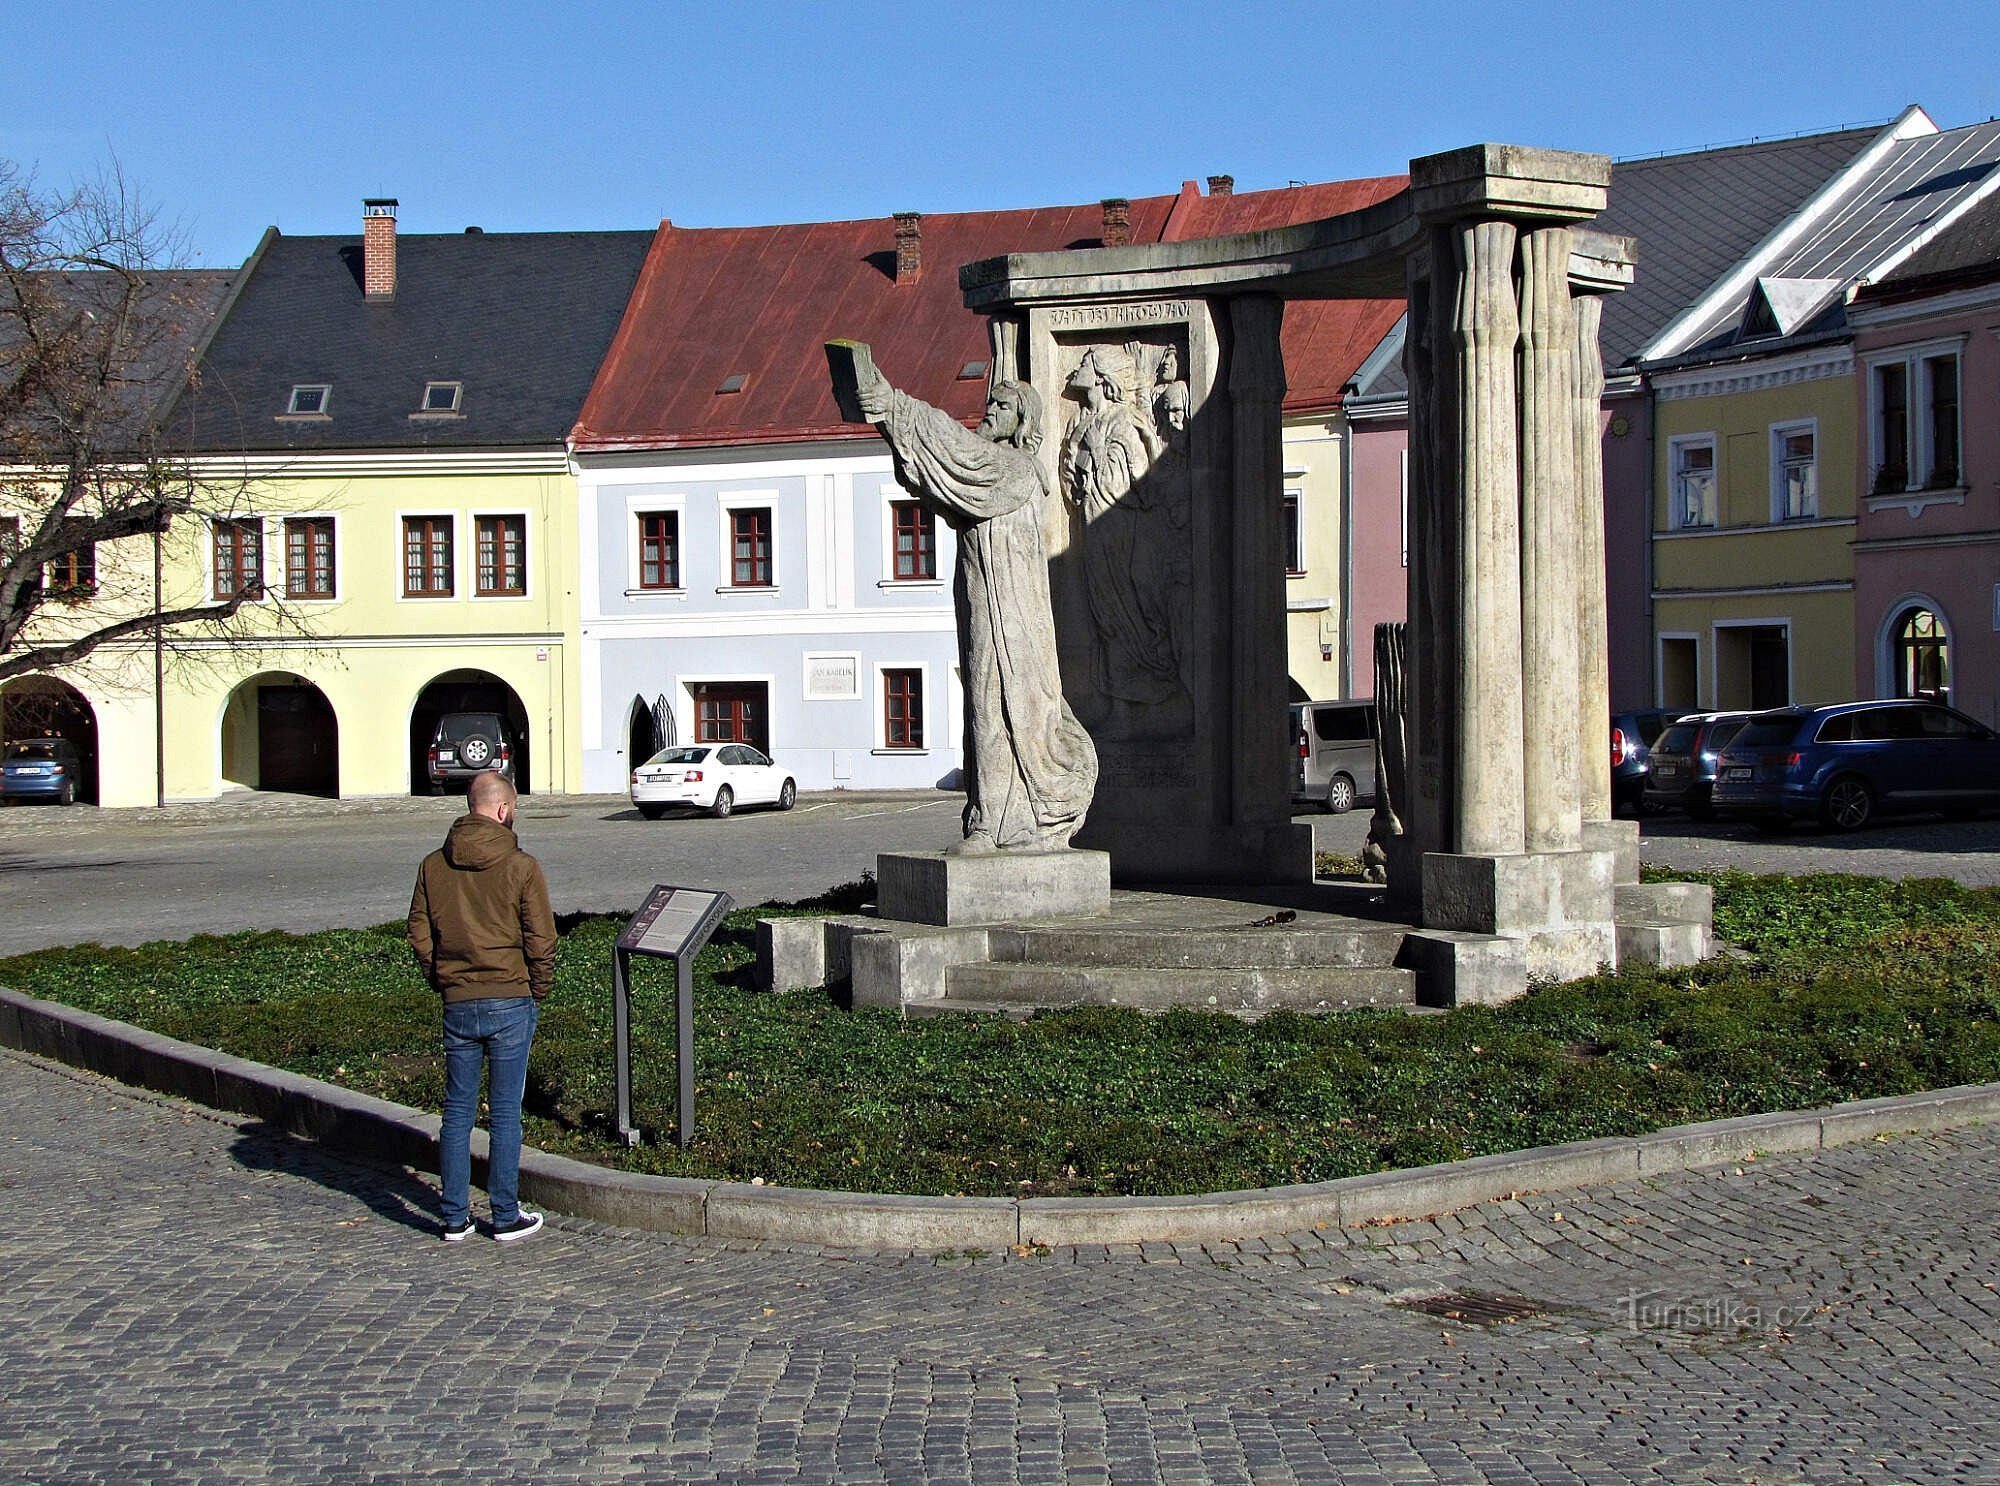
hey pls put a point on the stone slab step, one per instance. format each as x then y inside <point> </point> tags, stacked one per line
<point>1277,947</point>
<point>1243,990</point>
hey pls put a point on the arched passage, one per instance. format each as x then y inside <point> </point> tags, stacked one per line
<point>467,691</point>
<point>40,707</point>
<point>279,733</point>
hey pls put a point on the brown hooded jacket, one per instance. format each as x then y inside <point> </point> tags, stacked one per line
<point>479,920</point>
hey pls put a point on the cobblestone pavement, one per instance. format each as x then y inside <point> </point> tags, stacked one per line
<point>191,1297</point>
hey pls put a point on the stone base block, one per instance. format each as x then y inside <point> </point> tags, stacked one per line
<point>893,965</point>
<point>1464,969</point>
<point>1662,942</point>
<point>1621,839</point>
<point>1517,894</point>
<point>1572,951</point>
<point>796,954</point>
<point>1168,851</point>
<point>933,887</point>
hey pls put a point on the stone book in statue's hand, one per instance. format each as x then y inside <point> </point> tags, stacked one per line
<point>852,368</point>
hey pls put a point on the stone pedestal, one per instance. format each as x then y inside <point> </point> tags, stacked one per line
<point>1557,903</point>
<point>935,887</point>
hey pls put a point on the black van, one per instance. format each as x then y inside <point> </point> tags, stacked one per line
<point>1333,747</point>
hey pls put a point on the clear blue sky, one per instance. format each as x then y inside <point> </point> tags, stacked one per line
<point>233,116</point>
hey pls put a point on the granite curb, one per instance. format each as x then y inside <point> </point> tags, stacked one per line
<point>364,1125</point>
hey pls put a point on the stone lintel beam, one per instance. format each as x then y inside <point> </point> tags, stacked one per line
<point>1601,262</point>
<point>1509,181</point>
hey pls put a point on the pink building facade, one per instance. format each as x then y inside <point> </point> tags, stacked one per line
<point>1927,536</point>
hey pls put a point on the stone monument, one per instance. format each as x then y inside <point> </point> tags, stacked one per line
<point>1032,767</point>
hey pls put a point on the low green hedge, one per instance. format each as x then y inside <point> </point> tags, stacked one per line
<point>1844,988</point>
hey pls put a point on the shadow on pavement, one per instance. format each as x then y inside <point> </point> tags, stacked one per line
<point>390,1192</point>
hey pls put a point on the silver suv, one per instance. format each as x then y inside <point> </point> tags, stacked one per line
<point>469,743</point>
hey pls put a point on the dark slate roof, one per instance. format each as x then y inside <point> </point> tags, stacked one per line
<point>1695,217</point>
<point>1919,183</point>
<point>521,319</point>
<point>175,310</point>
<point>1966,251</point>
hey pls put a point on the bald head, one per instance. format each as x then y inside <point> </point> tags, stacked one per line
<point>492,796</point>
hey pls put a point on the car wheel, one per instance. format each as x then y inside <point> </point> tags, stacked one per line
<point>66,794</point>
<point>788,796</point>
<point>725,801</point>
<point>1848,803</point>
<point>652,812</point>
<point>1339,795</point>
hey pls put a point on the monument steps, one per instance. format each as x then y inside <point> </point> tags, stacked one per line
<point>1305,947</point>
<point>1003,984</point>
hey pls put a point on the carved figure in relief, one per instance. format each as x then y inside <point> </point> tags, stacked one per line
<point>1128,571</point>
<point>1032,768</point>
<point>1170,398</point>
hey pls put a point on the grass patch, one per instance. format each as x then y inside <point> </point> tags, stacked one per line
<point>1853,988</point>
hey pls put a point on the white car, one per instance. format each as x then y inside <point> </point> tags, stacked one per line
<point>716,777</point>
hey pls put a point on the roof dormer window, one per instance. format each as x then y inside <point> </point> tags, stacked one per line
<point>441,397</point>
<point>309,400</point>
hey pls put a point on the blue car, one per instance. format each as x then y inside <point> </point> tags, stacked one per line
<point>40,769</point>
<point>1844,765</point>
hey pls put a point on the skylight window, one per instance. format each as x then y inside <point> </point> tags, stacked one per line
<point>442,397</point>
<point>972,371</point>
<point>733,383</point>
<point>309,400</point>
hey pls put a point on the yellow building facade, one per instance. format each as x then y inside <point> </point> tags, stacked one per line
<point>1752,584</point>
<point>396,587</point>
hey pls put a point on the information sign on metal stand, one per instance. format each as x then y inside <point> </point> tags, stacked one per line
<point>673,924</point>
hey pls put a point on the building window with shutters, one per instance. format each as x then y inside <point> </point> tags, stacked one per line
<point>427,557</point>
<point>238,547</point>
<point>903,708</point>
<point>502,556</point>
<point>309,557</point>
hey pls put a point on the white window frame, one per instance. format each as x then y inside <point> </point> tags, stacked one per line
<point>674,505</point>
<point>882,669</point>
<point>325,408</point>
<point>484,513</point>
<point>726,507</point>
<point>1676,508</point>
<point>458,588</point>
<point>1917,379</point>
<point>1780,432</point>
<point>425,410</point>
<point>285,555</point>
<point>1295,494</point>
<point>894,495</point>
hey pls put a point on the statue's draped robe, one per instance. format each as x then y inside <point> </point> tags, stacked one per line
<point>1033,767</point>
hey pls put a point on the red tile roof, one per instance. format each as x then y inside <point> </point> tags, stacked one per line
<point>760,302</point>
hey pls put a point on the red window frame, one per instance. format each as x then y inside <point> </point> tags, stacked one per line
<point>659,549</point>
<point>427,557</point>
<point>729,714</point>
<point>903,708</point>
<point>915,541</point>
<point>309,557</point>
<point>238,548</point>
<point>750,547</point>
<point>501,550</point>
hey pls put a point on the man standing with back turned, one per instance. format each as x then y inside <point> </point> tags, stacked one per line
<point>482,932</point>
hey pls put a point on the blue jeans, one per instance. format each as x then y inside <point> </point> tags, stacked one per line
<point>496,1033</point>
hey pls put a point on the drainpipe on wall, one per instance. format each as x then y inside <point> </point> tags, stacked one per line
<point>159,694</point>
<point>1347,550</point>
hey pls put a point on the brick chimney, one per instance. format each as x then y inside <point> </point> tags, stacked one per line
<point>1222,185</point>
<point>1117,221</point>
<point>909,247</point>
<point>378,248</point>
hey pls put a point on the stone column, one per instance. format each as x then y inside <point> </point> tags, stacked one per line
<point>1486,332</point>
<point>1430,595</point>
<point>1593,666</point>
<point>1551,790</point>
<point>1259,790</point>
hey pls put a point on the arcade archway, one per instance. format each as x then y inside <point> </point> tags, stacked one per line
<point>41,707</point>
<point>468,691</point>
<point>280,734</point>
